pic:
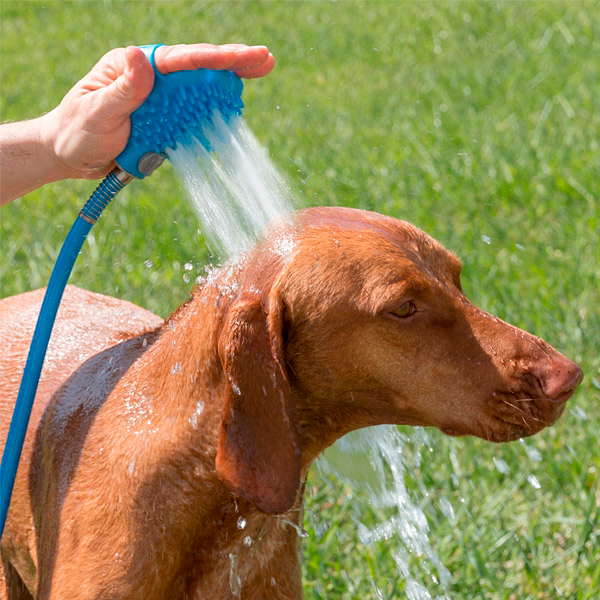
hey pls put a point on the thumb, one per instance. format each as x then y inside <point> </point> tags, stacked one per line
<point>128,91</point>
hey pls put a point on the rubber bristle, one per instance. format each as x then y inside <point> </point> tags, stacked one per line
<point>178,107</point>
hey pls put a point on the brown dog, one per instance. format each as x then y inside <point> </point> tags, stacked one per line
<point>167,460</point>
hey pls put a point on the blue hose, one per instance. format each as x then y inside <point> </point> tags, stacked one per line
<point>89,214</point>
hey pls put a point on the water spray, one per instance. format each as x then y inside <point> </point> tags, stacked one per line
<point>178,109</point>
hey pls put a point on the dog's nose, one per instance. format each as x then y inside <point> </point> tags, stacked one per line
<point>559,377</point>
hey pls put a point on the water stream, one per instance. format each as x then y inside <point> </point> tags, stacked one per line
<point>236,190</point>
<point>382,460</point>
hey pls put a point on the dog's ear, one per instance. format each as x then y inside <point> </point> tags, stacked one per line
<point>259,448</point>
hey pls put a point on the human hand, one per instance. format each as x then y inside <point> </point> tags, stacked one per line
<point>91,126</point>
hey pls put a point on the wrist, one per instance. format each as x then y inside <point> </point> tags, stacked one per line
<point>28,158</point>
<point>47,134</point>
<point>53,135</point>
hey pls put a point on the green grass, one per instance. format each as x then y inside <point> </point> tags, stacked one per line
<point>480,123</point>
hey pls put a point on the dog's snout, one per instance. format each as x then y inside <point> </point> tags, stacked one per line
<point>558,377</point>
<point>566,385</point>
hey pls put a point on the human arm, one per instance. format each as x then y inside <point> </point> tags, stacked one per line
<point>81,137</point>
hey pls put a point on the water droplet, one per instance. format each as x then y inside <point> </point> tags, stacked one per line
<point>447,509</point>
<point>235,581</point>
<point>534,482</point>
<point>247,541</point>
<point>299,530</point>
<point>501,465</point>
<point>241,523</point>
<point>532,453</point>
<point>176,368</point>
<point>578,412</point>
<point>193,420</point>
<point>149,264</point>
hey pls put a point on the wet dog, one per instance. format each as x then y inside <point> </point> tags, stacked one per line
<point>161,456</point>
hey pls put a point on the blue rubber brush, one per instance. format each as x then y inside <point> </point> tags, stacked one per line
<point>178,107</point>
<point>176,111</point>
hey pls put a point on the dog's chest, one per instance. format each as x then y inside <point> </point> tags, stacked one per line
<point>258,560</point>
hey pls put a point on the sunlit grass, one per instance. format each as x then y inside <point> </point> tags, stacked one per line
<point>479,122</point>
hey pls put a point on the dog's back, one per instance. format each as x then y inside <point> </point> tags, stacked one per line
<point>87,323</point>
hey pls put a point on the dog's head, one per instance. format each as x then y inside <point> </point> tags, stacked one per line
<point>347,318</point>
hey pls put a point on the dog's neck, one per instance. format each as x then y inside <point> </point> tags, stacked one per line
<point>187,391</point>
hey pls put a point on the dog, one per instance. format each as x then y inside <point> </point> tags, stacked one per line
<point>168,459</point>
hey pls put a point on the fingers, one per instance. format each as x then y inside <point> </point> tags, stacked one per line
<point>245,61</point>
<point>259,71</point>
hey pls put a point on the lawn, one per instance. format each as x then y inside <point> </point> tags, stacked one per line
<point>477,121</point>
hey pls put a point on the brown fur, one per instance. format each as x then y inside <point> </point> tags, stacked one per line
<point>167,460</point>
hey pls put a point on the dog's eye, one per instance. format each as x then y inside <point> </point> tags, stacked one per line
<point>406,310</point>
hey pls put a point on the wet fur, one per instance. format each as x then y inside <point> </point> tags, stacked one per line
<point>164,456</point>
